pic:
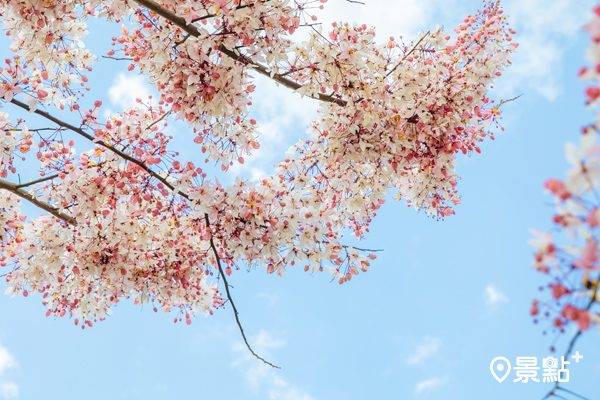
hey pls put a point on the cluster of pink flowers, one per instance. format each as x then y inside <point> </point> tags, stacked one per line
<point>130,219</point>
<point>570,254</point>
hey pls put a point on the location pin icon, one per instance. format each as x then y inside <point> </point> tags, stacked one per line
<point>500,368</point>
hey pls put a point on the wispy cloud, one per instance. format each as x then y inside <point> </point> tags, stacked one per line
<point>271,299</point>
<point>282,116</point>
<point>8,389</point>
<point>263,378</point>
<point>390,18</point>
<point>426,349</point>
<point>430,384</point>
<point>126,88</point>
<point>493,296</point>
<point>545,31</point>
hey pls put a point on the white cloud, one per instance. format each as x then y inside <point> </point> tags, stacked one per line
<point>126,88</point>
<point>493,296</point>
<point>8,389</point>
<point>391,18</point>
<point>6,360</point>
<point>271,299</point>
<point>428,385</point>
<point>282,117</point>
<point>545,30</point>
<point>261,377</point>
<point>429,347</point>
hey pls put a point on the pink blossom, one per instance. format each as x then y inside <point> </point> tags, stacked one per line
<point>8,90</point>
<point>558,290</point>
<point>589,256</point>
<point>557,188</point>
<point>579,316</point>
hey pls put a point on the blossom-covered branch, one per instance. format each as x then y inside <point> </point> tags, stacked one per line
<point>570,254</point>
<point>145,224</point>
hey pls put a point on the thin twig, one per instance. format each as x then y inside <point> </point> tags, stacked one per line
<point>408,54</point>
<point>506,101</point>
<point>573,393</point>
<point>235,311</point>
<point>46,178</point>
<point>118,58</point>
<point>158,120</point>
<point>558,396</point>
<point>358,248</point>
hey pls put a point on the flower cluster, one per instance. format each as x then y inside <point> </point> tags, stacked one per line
<point>570,254</point>
<point>129,219</point>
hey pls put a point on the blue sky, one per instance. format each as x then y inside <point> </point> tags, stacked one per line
<point>424,322</point>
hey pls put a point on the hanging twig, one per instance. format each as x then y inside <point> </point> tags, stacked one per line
<point>235,311</point>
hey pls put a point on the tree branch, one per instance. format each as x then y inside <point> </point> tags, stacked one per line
<point>46,178</point>
<point>573,393</point>
<point>360,249</point>
<point>11,187</point>
<point>509,100</point>
<point>261,69</point>
<point>80,132</point>
<point>235,311</point>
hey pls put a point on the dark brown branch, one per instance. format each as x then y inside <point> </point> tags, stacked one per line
<point>555,395</point>
<point>261,69</point>
<point>80,132</point>
<point>11,187</point>
<point>46,178</point>
<point>573,393</point>
<point>235,311</point>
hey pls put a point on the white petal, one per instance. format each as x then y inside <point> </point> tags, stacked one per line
<point>572,153</point>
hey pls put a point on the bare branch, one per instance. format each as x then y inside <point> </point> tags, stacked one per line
<point>235,311</point>
<point>118,58</point>
<point>46,178</point>
<point>509,100</point>
<point>573,393</point>
<point>359,249</point>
